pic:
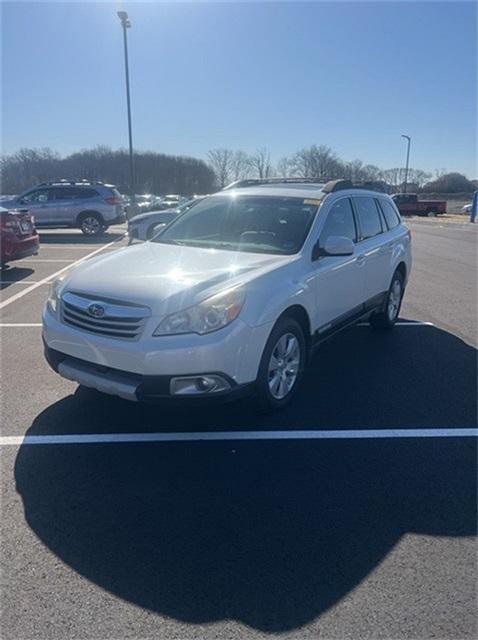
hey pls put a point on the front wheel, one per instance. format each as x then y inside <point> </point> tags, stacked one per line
<point>388,317</point>
<point>282,365</point>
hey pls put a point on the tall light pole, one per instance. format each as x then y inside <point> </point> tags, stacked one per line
<point>126,24</point>
<point>408,159</point>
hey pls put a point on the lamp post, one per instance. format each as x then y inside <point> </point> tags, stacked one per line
<point>408,158</point>
<point>126,24</point>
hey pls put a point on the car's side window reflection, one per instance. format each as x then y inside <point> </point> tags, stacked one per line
<point>340,222</point>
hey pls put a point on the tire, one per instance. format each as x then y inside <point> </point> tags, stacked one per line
<point>386,319</point>
<point>287,335</point>
<point>92,224</point>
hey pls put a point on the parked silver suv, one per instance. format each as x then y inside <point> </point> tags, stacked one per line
<point>90,206</point>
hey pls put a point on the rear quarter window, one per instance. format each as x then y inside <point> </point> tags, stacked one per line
<point>87,193</point>
<point>390,214</point>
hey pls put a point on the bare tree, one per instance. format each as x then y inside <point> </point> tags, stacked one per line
<point>419,177</point>
<point>155,172</point>
<point>439,173</point>
<point>240,166</point>
<point>220,161</point>
<point>260,163</point>
<point>393,177</point>
<point>284,168</point>
<point>317,162</point>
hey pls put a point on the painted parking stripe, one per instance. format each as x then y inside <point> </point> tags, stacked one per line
<point>32,287</point>
<point>20,324</point>
<point>411,323</point>
<point>347,434</point>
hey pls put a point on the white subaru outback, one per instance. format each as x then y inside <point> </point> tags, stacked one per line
<point>232,296</point>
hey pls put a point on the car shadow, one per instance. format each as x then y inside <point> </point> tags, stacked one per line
<point>269,533</point>
<point>68,237</point>
<point>417,377</point>
<point>13,275</point>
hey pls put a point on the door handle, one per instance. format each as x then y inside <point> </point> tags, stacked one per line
<point>361,259</point>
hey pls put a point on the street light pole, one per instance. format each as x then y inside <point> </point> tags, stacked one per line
<point>126,24</point>
<point>408,159</point>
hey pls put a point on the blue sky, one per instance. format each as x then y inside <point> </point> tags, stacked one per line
<point>351,75</point>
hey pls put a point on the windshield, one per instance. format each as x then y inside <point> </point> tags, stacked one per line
<point>258,224</point>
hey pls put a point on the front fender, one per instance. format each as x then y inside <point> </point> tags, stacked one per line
<point>267,300</point>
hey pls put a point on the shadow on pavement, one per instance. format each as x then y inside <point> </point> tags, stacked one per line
<point>268,533</point>
<point>417,377</point>
<point>12,275</point>
<point>76,237</point>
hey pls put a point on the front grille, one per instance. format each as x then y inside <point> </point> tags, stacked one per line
<point>112,319</point>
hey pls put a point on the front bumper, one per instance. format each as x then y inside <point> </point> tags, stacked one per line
<point>143,369</point>
<point>132,386</point>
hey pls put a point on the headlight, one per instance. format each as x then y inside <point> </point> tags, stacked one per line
<point>54,295</point>
<point>210,315</point>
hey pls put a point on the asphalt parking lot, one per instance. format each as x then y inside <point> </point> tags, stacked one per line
<point>222,523</point>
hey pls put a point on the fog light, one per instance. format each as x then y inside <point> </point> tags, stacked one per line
<point>198,385</point>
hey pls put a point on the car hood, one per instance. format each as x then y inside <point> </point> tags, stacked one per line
<point>145,216</point>
<point>12,204</point>
<point>167,278</point>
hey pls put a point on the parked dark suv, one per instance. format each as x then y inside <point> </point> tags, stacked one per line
<point>90,206</point>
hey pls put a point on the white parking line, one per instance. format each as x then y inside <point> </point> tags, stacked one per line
<point>347,434</point>
<point>32,287</point>
<point>20,324</point>
<point>411,323</point>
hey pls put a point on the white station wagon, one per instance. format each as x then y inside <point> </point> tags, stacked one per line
<point>232,296</point>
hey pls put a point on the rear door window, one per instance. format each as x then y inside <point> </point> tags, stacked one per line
<point>369,217</point>
<point>62,193</point>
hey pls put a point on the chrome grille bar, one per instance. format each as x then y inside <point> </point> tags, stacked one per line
<point>115,319</point>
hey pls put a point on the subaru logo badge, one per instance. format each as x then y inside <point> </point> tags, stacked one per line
<point>96,310</point>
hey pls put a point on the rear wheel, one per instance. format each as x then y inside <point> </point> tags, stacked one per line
<point>387,318</point>
<point>282,365</point>
<point>92,224</point>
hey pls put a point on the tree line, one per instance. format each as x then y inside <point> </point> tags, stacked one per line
<point>154,172</point>
<point>162,174</point>
<point>319,161</point>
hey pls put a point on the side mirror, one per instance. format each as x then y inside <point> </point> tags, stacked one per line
<point>334,246</point>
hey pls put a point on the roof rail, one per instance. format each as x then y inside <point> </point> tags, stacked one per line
<point>251,182</point>
<point>339,185</point>
<point>63,181</point>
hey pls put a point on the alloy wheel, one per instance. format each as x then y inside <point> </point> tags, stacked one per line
<point>91,226</point>
<point>284,366</point>
<point>394,298</point>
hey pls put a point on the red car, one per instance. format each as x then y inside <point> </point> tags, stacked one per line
<point>18,236</point>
